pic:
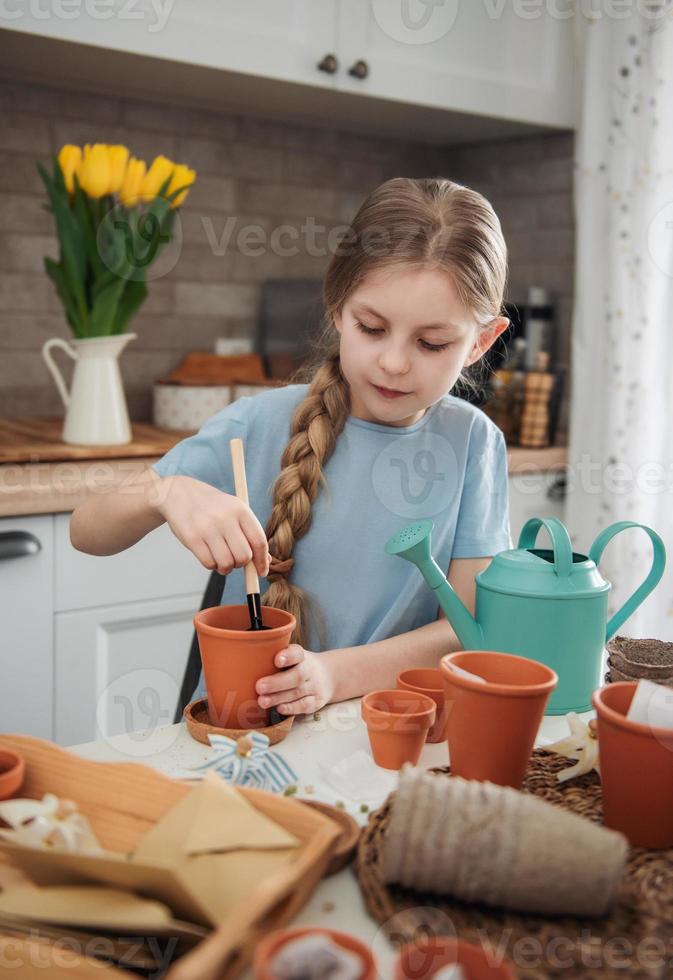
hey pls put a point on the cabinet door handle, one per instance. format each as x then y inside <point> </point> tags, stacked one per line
<point>18,544</point>
<point>359,70</point>
<point>329,64</point>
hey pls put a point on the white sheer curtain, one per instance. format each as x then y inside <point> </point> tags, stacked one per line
<point>621,415</point>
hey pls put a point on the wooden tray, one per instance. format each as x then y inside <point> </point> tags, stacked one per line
<point>123,800</point>
<point>347,841</point>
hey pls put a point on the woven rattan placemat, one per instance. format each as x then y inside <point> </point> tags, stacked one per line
<point>634,940</point>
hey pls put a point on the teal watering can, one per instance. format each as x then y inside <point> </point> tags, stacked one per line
<point>549,605</point>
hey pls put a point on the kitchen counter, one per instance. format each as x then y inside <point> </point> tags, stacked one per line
<point>337,902</point>
<point>40,474</point>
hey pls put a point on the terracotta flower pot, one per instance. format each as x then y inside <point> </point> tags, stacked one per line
<point>12,772</point>
<point>422,960</point>
<point>397,724</point>
<point>428,680</point>
<point>636,770</point>
<point>493,722</point>
<point>234,658</point>
<point>273,943</point>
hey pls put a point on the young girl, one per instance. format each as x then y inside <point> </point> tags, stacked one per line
<point>412,296</point>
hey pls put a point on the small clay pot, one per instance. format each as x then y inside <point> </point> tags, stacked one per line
<point>234,658</point>
<point>12,773</point>
<point>397,724</point>
<point>428,680</point>
<point>636,770</point>
<point>274,942</point>
<point>493,722</point>
<point>424,959</point>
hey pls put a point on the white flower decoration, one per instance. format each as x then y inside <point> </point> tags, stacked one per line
<point>48,823</point>
<point>581,745</point>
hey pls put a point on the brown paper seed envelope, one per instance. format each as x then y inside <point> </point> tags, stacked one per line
<point>220,844</point>
<point>213,817</point>
<point>159,879</point>
<point>84,905</point>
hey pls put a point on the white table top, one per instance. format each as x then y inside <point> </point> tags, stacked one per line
<point>310,745</point>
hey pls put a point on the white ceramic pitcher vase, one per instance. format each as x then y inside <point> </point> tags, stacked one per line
<point>96,412</point>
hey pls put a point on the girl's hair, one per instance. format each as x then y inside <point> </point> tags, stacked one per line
<point>427,223</point>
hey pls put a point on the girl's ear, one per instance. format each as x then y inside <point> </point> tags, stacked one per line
<point>337,321</point>
<point>486,337</point>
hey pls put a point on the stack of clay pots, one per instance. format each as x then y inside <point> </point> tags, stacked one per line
<point>633,659</point>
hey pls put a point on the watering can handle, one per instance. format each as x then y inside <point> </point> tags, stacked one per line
<point>563,552</point>
<point>655,573</point>
<point>53,368</point>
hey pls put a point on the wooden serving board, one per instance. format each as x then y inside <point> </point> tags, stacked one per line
<point>40,440</point>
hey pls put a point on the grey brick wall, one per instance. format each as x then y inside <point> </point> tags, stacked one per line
<point>252,173</point>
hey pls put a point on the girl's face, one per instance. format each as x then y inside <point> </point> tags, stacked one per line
<point>405,337</point>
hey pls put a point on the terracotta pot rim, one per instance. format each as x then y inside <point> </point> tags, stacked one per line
<point>274,942</point>
<point>14,773</point>
<point>10,761</point>
<point>495,688</point>
<point>383,712</point>
<point>247,636</point>
<point>419,687</point>
<point>453,945</point>
<point>621,721</point>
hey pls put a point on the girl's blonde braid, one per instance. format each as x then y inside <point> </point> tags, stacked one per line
<point>314,429</point>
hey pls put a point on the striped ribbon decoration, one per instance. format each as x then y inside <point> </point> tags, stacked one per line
<point>258,768</point>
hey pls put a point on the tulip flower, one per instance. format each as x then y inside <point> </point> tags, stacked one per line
<point>159,171</point>
<point>69,159</point>
<point>129,192</point>
<point>119,156</point>
<point>181,175</point>
<point>94,171</point>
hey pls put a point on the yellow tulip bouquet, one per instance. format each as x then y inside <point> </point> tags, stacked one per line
<point>113,216</point>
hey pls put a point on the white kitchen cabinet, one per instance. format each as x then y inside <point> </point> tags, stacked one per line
<point>156,567</point>
<point>118,669</point>
<point>424,61</point>
<point>91,645</point>
<point>534,495</point>
<point>281,39</point>
<point>26,623</point>
<point>477,57</point>
<point>122,630</point>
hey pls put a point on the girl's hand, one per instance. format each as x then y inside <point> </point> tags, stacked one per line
<point>218,528</point>
<point>303,688</point>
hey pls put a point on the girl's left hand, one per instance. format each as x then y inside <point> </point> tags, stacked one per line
<point>302,688</point>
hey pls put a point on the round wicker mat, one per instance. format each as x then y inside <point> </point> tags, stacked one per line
<point>634,940</point>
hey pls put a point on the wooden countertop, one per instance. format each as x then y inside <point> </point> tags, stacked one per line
<point>40,474</point>
<point>39,441</point>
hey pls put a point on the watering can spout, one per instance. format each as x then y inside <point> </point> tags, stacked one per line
<point>413,543</point>
<point>465,626</point>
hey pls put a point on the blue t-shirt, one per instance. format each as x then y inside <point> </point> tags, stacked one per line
<point>450,466</point>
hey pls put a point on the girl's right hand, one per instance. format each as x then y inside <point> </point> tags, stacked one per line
<point>218,528</point>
